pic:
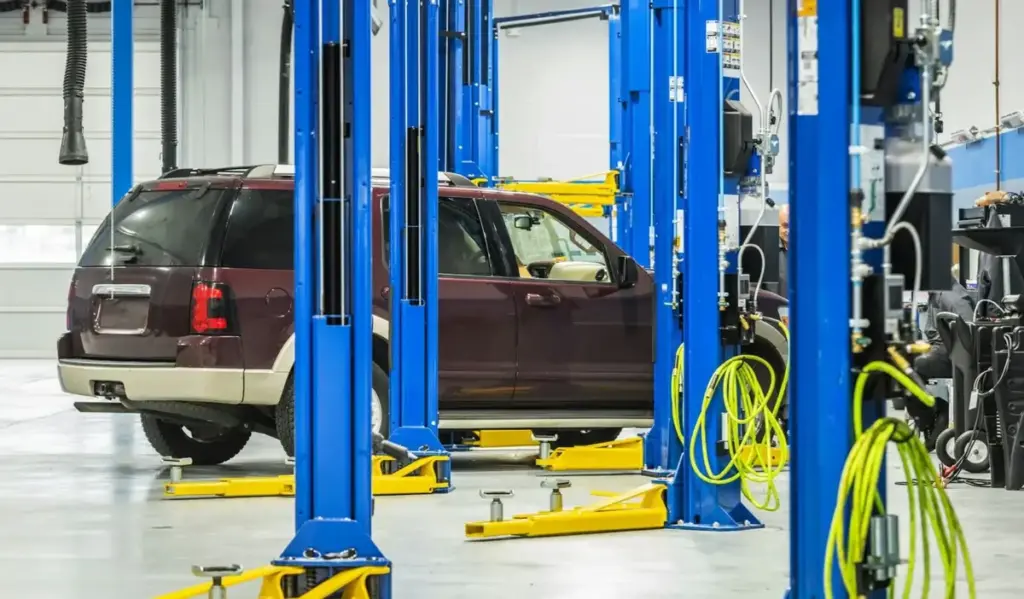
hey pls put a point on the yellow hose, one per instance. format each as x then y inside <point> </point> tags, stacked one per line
<point>930,509</point>
<point>744,402</point>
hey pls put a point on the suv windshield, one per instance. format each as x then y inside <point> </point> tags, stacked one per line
<point>156,227</point>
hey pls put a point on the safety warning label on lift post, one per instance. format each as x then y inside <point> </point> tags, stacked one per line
<point>807,48</point>
<point>724,37</point>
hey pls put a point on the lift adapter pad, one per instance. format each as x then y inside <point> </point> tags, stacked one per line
<point>418,478</point>
<point>623,454</point>
<point>640,509</point>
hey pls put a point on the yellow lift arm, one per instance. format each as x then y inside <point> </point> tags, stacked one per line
<point>586,197</point>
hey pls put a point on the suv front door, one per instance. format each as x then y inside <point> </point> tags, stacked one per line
<point>582,339</point>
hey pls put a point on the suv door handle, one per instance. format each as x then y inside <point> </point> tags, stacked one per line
<point>543,301</point>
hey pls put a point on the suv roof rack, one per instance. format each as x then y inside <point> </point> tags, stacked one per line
<point>287,171</point>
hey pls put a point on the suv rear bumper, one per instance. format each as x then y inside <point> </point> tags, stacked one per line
<point>152,381</point>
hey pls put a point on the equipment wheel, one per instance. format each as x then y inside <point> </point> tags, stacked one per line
<point>945,447</point>
<point>975,446</point>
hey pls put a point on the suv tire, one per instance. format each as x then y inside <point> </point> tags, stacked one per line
<point>170,440</point>
<point>284,413</point>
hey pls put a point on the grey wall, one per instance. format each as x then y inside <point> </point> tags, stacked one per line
<point>554,86</point>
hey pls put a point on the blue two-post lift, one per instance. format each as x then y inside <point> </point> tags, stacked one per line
<point>413,205</point>
<point>333,254</point>
<point>819,281</point>
<point>689,87</point>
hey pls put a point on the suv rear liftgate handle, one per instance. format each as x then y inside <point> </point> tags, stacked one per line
<point>543,301</point>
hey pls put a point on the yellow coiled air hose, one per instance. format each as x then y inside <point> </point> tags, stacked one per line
<point>930,509</point>
<point>745,403</point>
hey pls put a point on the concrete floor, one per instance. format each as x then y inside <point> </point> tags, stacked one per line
<point>82,517</point>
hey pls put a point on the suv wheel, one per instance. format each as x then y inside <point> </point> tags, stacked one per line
<point>284,414</point>
<point>206,445</point>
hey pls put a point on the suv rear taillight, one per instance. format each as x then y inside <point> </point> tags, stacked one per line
<point>210,306</point>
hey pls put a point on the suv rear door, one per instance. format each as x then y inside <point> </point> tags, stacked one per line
<point>131,294</point>
<point>256,264</point>
<point>582,340</point>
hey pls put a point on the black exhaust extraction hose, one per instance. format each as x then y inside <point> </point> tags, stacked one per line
<point>169,84</point>
<point>72,147</point>
<point>284,89</point>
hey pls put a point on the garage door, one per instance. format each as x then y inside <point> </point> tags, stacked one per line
<point>48,212</point>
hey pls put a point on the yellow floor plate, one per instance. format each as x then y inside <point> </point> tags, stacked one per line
<point>497,439</point>
<point>418,478</point>
<point>640,509</point>
<point>623,454</point>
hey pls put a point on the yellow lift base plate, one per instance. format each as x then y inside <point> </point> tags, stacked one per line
<point>497,439</point>
<point>623,454</point>
<point>417,478</point>
<point>640,509</point>
<point>351,583</point>
<point>758,455</point>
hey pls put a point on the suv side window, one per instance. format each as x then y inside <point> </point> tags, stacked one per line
<point>260,231</point>
<point>461,245</point>
<point>546,247</point>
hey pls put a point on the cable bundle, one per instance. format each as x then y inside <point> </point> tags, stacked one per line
<point>752,423</point>
<point>931,513</point>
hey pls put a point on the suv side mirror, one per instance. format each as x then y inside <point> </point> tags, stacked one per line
<point>628,272</point>
<point>523,222</point>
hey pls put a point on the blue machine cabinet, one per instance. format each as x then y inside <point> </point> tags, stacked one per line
<point>333,501</point>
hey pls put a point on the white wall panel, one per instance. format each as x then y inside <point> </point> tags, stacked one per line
<point>36,286</point>
<point>49,210</point>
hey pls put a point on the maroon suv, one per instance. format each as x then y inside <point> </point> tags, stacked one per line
<point>181,311</point>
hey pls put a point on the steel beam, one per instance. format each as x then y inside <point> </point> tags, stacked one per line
<point>819,280</point>
<point>122,75</point>
<point>333,503</point>
<point>413,207</point>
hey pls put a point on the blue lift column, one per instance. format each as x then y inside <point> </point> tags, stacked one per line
<point>616,108</point>
<point>819,282</point>
<point>633,218</point>
<point>333,501</point>
<point>692,502</point>
<point>413,206</point>
<point>122,76</point>
<point>662,446</point>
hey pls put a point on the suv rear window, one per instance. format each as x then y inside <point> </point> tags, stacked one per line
<point>261,230</point>
<point>156,228</point>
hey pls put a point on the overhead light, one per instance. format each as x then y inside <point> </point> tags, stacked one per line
<point>964,136</point>
<point>1014,120</point>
